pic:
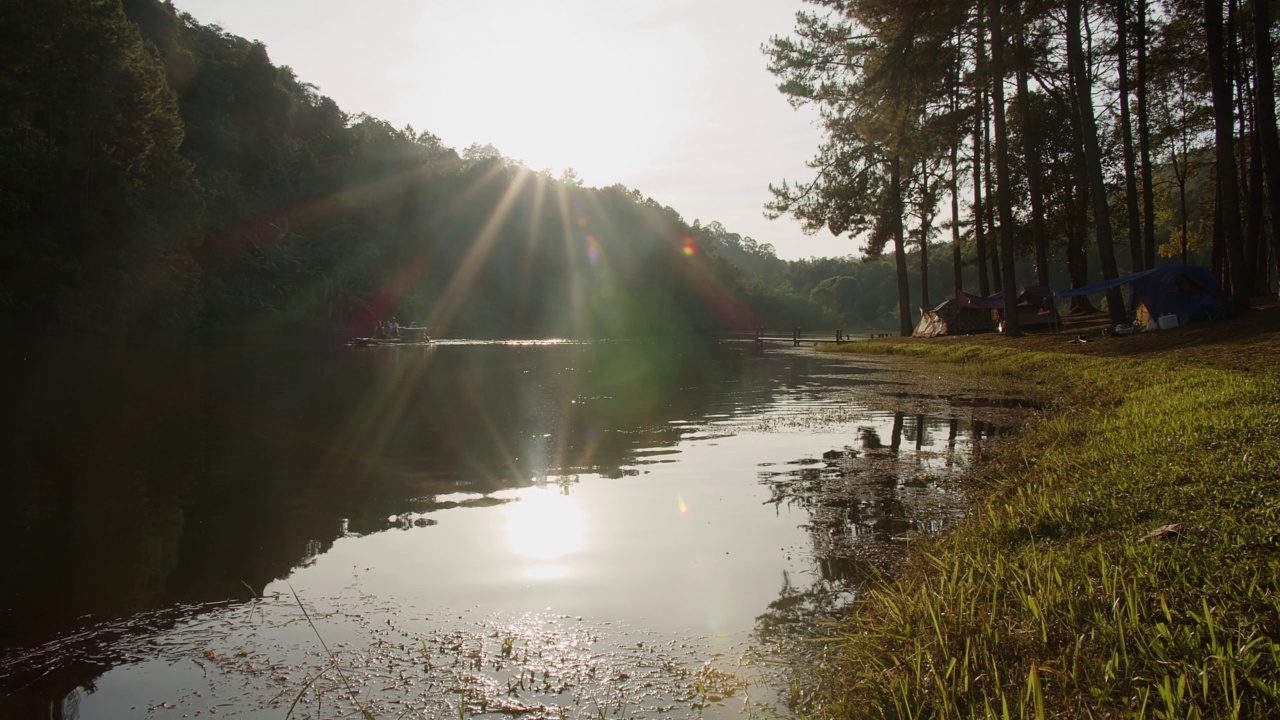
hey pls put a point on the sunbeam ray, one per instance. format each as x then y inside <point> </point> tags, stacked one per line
<point>498,446</point>
<point>373,422</point>
<point>464,277</point>
<point>577,299</point>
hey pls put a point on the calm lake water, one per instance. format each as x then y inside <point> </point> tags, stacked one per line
<point>537,530</point>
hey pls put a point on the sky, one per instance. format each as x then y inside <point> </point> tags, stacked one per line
<point>668,97</point>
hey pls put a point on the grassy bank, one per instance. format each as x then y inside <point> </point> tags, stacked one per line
<point>1126,561</point>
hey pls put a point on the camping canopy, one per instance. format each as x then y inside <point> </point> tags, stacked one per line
<point>1182,290</point>
<point>1037,296</point>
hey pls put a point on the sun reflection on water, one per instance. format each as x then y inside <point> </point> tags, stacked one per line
<point>545,526</point>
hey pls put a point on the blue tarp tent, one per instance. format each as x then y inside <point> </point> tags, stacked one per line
<point>1187,291</point>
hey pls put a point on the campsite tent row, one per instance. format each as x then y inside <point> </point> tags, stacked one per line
<point>1186,291</point>
<point>965,314</point>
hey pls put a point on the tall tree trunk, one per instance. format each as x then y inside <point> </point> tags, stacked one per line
<point>1218,260</point>
<point>1144,146</point>
<point>979,224</point>
<point>957,269</point>
<point>1238,77</point>
<point>1180,174</point>
<point>1264,271</point>
<point>1004,201</point>
<point>989,204</point>
<point>1078,223</point>
<point>1093,159</point>
<point>957,254</point>
<point>1035,179</point>
<point>997,281</point>
<point>1031,155</point>
<point>1078,241</point>
<point>924,235</point>
<point>1264,99</point>
<point>1254,209</point>
<point>1126,134</point>
<point>956,249</point>
<point>979,230</point>
<point>1228,172</point>
<point>899,249</point>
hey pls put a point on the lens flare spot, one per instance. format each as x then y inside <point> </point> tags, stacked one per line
<point>689,248</point>
<point>681,506</point>
<point>593,250</point>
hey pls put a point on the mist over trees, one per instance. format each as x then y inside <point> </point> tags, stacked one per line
<point>1123,133</point>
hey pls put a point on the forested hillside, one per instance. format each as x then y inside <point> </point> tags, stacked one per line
<point>162,174</point>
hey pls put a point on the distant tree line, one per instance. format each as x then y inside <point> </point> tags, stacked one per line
<point>159,174</point>
<point>1060,131</point>
<point>163,174</point>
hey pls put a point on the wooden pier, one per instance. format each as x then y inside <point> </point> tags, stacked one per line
<point>798,337</point>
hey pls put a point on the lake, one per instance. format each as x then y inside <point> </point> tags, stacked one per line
<point>543,529</point>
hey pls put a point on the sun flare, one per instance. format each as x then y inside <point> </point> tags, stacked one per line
<point>545,525</point>
<point>578,86</point>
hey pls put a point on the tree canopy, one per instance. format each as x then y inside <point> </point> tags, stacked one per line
<point>1098,116</point>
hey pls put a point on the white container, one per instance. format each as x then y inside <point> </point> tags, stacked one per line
<point>1168,322</point>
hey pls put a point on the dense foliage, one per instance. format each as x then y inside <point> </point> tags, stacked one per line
<point>1048,127</point>
<point>162,174</point>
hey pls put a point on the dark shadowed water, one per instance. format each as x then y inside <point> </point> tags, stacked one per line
<point>536,530</point>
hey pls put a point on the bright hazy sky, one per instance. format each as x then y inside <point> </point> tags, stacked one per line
<point>669,97</point>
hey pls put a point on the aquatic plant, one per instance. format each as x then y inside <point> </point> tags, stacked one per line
<point>334,665</point>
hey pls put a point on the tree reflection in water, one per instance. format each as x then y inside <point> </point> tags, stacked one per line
<point>865,503</point>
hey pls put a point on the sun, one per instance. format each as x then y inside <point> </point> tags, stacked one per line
<point>557,86</point>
